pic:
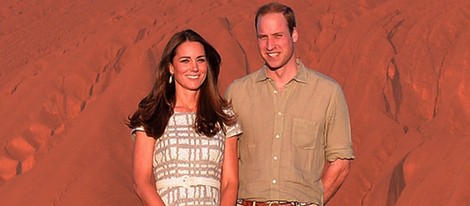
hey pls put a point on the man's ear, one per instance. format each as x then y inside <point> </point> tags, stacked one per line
<point>295,35</point>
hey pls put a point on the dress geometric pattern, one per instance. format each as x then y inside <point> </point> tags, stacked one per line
<point>182,153</point>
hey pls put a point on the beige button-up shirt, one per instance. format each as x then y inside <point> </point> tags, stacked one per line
<point>288,136</point>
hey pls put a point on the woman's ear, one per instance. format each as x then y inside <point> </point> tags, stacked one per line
<point>171,68</point>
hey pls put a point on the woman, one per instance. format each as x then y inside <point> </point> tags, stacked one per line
<point>185,133</point>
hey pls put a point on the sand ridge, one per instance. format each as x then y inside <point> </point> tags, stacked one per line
<point>72,71</point>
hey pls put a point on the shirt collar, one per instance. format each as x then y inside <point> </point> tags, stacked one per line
<point>301,75</point>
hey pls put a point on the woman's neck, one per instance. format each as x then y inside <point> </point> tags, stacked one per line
<point>186,101</point>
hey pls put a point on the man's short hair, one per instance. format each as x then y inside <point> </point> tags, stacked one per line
<point>275,7</point>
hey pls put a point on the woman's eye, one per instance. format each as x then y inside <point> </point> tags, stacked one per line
<point>184,61</point>
<point>201,60</point>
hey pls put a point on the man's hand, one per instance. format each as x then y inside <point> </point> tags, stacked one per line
<point>335,174</point>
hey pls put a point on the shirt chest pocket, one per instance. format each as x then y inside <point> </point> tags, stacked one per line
<point>304,133</point>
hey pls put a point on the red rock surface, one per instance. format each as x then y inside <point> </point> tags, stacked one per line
<point>71,72</point>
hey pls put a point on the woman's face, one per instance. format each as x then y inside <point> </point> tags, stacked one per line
<point>189,66</point>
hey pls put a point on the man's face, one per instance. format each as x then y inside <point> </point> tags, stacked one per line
<point>275,43</point>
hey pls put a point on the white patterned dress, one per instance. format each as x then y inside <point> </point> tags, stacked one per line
<point>187,166</point>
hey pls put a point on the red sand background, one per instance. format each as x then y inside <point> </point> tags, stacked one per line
<point>71,71</point>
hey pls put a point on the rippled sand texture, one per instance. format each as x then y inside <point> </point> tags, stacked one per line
<point>72,71</point>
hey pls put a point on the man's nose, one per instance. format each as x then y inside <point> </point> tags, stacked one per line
<point>270,44</point>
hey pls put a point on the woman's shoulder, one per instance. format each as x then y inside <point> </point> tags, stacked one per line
<point>229,111</point>
<point>137,129</point>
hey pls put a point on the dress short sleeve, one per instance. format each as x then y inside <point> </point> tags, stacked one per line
<point>235,129</point>
<point>137,129</point>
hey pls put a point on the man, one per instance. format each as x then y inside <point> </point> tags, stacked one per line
<point>296,146</point>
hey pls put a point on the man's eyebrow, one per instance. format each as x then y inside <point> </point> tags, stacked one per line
<point>273,34</point>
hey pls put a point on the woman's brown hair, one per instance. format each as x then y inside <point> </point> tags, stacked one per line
<point>155,109</point>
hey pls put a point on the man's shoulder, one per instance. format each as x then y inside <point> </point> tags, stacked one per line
<point>314,75</point>
<point>240,86</point>
<point>246,80</point>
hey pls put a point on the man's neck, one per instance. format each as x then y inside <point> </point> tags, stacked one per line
<point>283,75</point>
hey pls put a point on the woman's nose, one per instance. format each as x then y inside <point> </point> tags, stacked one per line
<point>195,66</point>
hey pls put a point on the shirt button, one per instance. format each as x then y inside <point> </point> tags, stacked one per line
<point>275,92</point>
<point>274,181</point>
<point>279,113</point>
<point>275,157</point>
<point>277,136</point>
